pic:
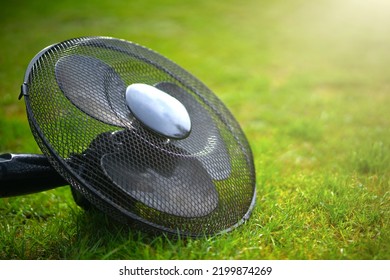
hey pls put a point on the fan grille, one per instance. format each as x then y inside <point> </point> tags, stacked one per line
<point>203,184</point>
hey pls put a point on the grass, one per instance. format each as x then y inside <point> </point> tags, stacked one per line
<point>307,82</point>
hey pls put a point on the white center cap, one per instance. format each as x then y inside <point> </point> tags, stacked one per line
<point>158,111</point>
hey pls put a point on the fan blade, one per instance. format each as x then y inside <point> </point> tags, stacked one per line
<point>174,185</point>
<point>90,84</point>
<point>209,147</point>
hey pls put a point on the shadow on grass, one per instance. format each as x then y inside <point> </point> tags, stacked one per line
<point>78,234</point>
<point>98,236</point>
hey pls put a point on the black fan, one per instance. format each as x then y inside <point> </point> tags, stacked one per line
<point>134,135</point>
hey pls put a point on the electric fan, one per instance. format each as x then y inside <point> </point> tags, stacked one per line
<point>134,135</point>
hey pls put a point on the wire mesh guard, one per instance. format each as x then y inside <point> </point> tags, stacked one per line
<point>76,105</point>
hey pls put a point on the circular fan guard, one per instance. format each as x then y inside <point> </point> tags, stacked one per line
<point>75,94</point>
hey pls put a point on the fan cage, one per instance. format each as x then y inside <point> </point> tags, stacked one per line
<point>64,133</point>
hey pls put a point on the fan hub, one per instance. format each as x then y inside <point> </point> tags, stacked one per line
<point>158,111</point>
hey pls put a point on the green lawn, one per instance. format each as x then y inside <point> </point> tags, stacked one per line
<point>307,80</point>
